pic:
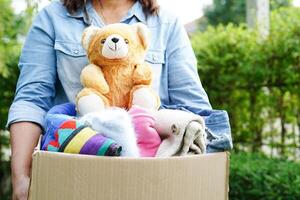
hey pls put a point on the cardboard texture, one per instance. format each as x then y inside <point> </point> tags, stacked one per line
<point>75,177</point>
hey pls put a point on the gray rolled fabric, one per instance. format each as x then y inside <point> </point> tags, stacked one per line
<point>183,133</point>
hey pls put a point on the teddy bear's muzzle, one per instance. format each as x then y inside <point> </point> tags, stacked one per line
<point>115,46</point>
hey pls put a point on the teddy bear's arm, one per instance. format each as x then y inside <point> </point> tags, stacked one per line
<point>92,77</point>
<point>142,74</point>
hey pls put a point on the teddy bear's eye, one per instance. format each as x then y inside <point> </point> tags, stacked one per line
<point>103,41</point>
<point>126,41</point>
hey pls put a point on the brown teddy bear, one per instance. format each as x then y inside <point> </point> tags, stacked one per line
<point>117,74</point>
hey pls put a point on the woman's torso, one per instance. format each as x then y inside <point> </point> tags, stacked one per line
<point>71,57</point>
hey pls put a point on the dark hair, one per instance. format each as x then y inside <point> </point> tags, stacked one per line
<point>150,7</point>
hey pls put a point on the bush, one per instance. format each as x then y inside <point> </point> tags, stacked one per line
<point>255,80</point>
<point>254,176</point>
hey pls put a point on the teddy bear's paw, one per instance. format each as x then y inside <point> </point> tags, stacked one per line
<point>90,103</point>
<point>145,98</point>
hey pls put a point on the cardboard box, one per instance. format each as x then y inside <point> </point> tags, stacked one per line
<point>67,176</point>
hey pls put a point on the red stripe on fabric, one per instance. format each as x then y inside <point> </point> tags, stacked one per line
<point>70,124</point>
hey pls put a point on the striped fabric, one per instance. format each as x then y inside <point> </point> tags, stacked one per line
<point>73,137</point>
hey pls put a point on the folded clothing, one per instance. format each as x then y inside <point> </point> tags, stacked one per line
<point>217,128</point>
<point>148,140</point>
<point>183,133</point>
<point>66,134</point>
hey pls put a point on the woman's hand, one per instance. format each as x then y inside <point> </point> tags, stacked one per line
<point>21,187</point>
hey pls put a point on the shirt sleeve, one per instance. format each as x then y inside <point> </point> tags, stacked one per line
<point>35,89</point>
<point>184,86</point>
<point>186,91</point>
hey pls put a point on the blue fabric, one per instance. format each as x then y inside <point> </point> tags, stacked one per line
<point>53,122</point>
<point>52,59</point>
<point>66,109</point>
<point>54,119</point>
<point>57,115</point>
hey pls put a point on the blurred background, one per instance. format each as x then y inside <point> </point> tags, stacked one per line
<point>248,54</point>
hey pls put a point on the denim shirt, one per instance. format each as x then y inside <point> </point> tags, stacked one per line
<point>52,60</point>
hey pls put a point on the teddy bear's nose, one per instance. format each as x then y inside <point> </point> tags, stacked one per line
<point>115,40</point>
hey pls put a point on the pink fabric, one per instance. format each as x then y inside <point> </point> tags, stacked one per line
<point>148,139</point>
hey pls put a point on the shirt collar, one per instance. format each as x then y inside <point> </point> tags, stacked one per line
<point>136,10</point>
<point>80,13</point>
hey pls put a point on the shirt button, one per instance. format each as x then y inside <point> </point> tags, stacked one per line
<point>154,58</point>
<point>76,51</point>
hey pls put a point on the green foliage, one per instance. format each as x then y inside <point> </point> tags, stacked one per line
<point>226,11</point>
<point>13,28</point>
<point>254,176</point>
<point>232,11</point>
<point>256,80</point>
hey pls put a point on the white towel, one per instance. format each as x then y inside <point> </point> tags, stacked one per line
<point>114,123</point>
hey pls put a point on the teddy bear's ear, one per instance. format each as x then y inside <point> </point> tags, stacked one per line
<point>143,33</point>
<point>87,35</point>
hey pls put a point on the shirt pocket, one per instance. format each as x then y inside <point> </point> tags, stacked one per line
<point>71,59</point>
<point>156,59</point>
<point>70,48</point>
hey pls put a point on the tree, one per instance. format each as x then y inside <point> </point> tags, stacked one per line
<point>232,11</point>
